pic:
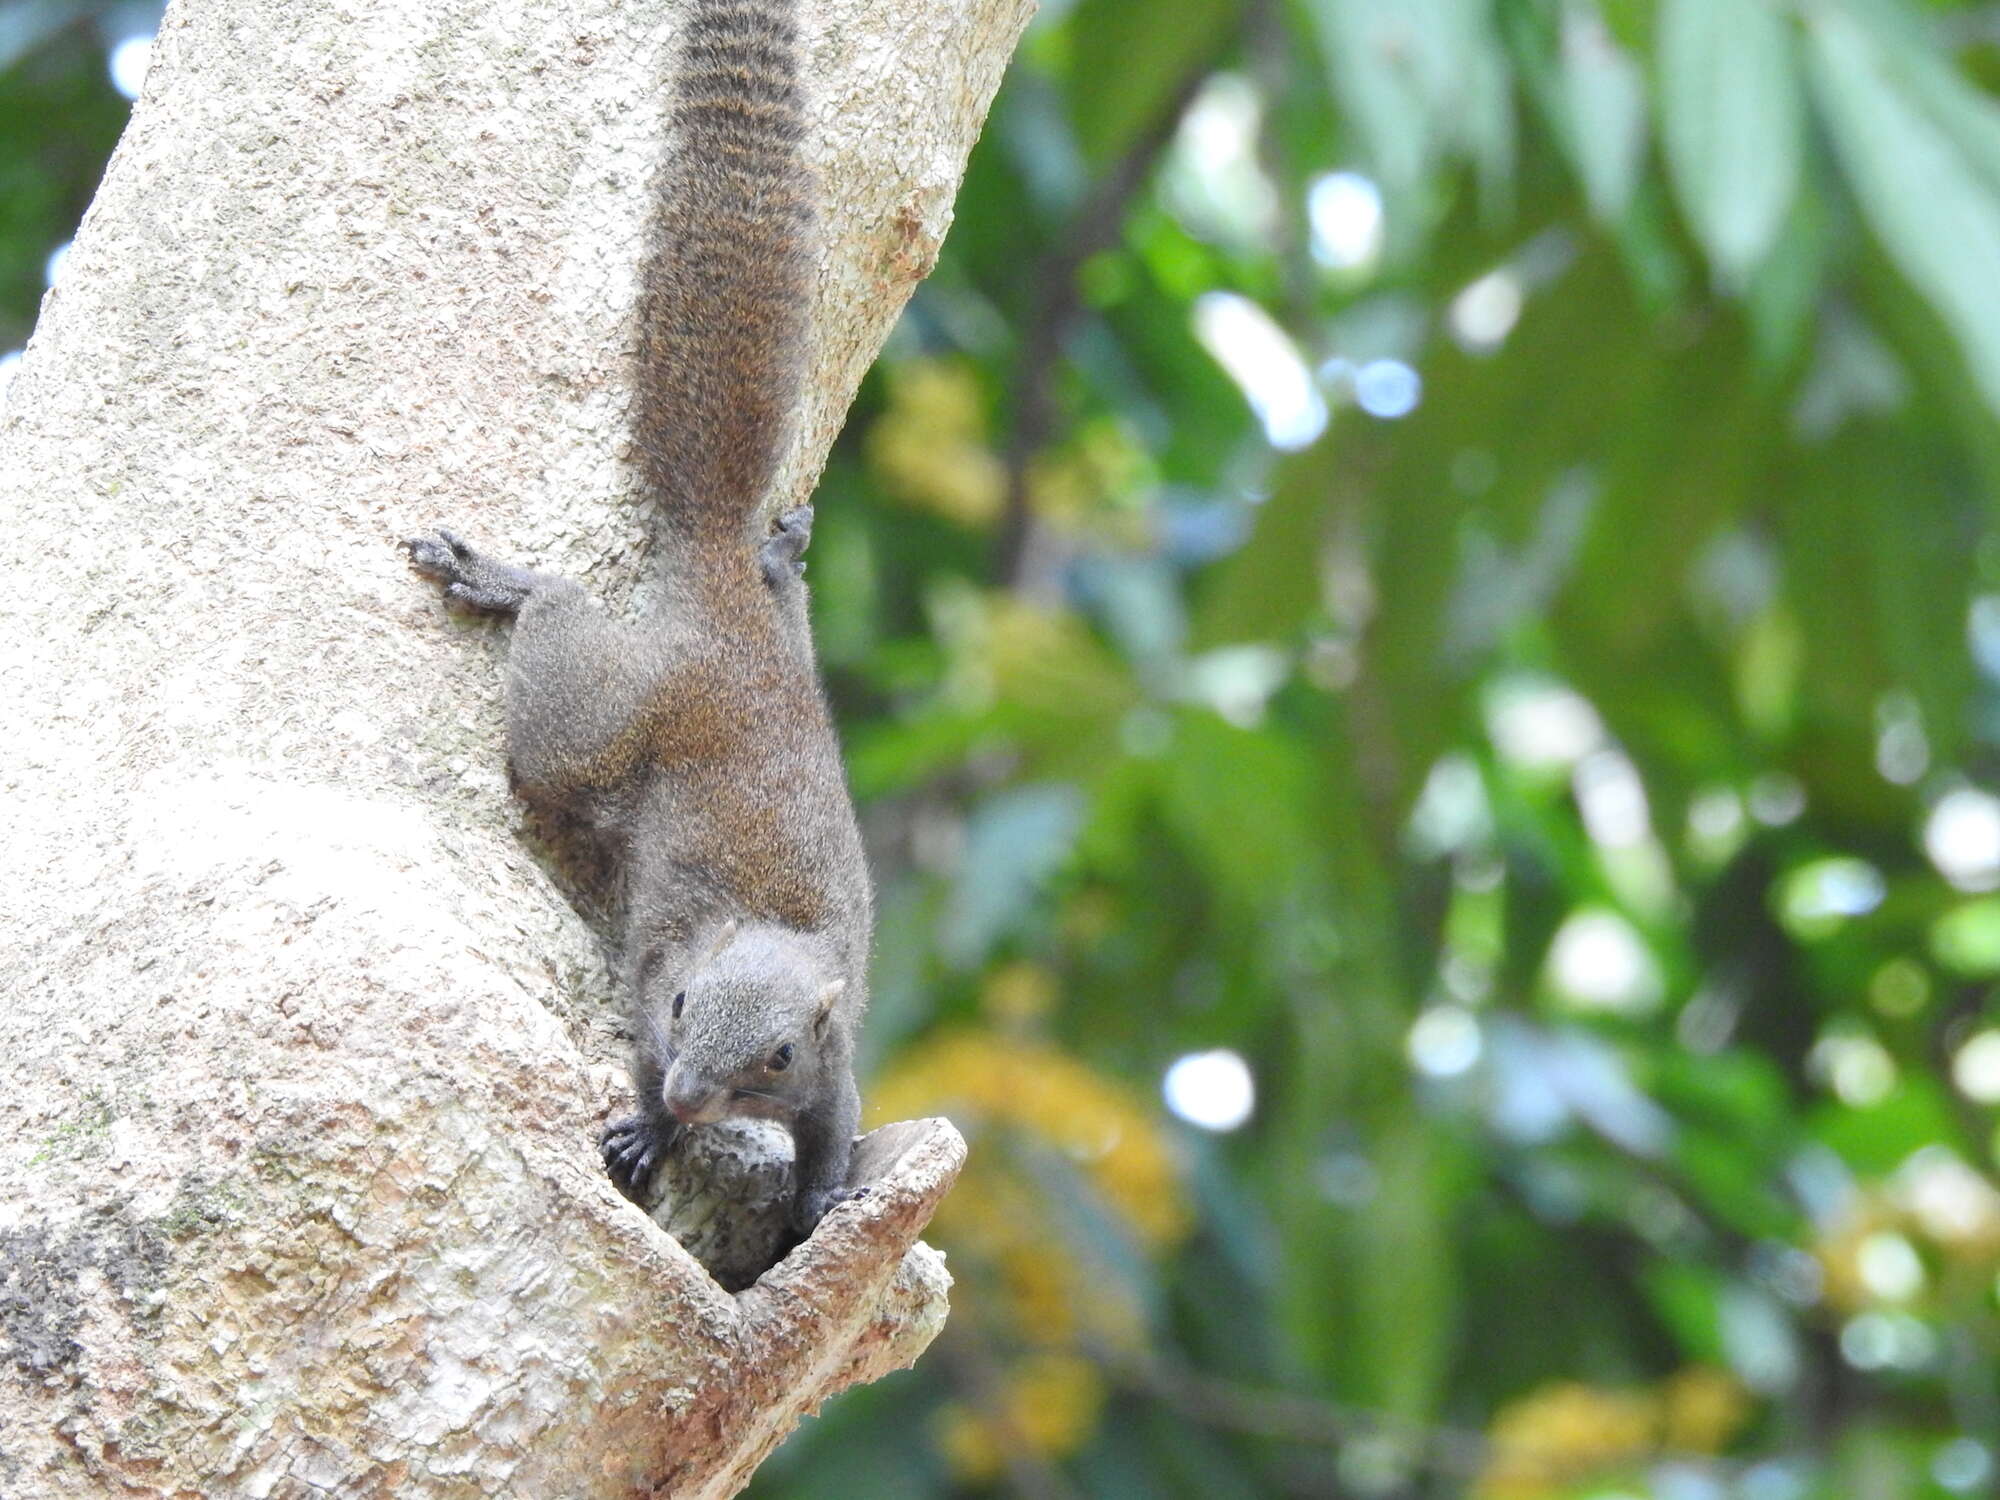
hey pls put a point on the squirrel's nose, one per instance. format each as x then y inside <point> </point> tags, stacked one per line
<point>685,1097</point>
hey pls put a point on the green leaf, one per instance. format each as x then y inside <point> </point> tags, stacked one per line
<point>1966,939</point>
<point>1375,53</point>
<point>1604,99</point>
<point>1013,843</point>
<point>1881,529</point>
<point>1929,76</point>
<point>891,756</point>
<point>1409,1256</point>
<point>1729,100</point>
<point>1733,1184</point>
<point>1271,587</point>
<point>1421,80</point>
<point>1930,209</point>
<point>1235,797</point>
<point>1688,1299</point>
<point>1631,21</point>
<point>1783,296</point>
<point>1127,67</point>
<point>1878,1138</point>
<point>1739,1091</point>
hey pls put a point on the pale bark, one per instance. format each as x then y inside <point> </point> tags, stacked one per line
<point>302,1052</point>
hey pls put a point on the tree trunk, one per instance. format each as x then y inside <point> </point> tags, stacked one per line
<point>304,1051</point>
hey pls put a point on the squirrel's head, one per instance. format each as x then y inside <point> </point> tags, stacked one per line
<point>747,1031</point>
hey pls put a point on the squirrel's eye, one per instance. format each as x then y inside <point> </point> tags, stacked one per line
<point>679,1001</point>
<point>782,1058</point>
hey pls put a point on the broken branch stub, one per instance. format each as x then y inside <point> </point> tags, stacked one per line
<point>860,1298</point>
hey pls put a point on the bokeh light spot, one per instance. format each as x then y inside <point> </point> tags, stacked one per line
<point>128,62</point>
<point>1599,963</point>
<point>1962,837</point>
<point>1962,1465</point>
<point>1541,725</point>
<point>1889,1266</point>
<point>1445,1041</point>
<point>1777,799</point>
<point>1816,898</point>
<point>1387,388</point>
<point>1213,1090</point>
<point>1345,210</point>
<point>1976,1068</point>
<point>1265,364</point>
<point>1855,1066</point>
<point>1612,799</point>
<point>1484,313</point>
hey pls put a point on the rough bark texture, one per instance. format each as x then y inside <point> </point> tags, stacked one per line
<point>302,1052</point>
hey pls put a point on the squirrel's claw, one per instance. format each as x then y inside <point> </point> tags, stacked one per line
<point>631,1148</point>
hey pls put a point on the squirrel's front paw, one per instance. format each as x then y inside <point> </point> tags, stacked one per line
<point>782,555</point>
<point>809,1207</point>
<point>632,1148</point>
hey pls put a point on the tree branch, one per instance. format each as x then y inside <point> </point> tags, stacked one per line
<point>303,1055</point>
<point>1055,305</point>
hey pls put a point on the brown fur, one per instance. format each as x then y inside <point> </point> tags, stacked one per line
<point>725,300</point>
<point>697,744</point>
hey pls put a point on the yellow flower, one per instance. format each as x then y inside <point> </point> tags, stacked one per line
<point>1033,1293</point>
<point>1048,1406</point>
<point>1098,480</point>
<point>1042,1288</point>
<point>1016,994</point>
<point>1705,1408</point>
<point>986,1081</point>
<point>1000,646</point>
<point>1561,1434</point>
<point>929,446</point>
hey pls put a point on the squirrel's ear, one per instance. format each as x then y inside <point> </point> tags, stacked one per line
<point>722,940</point>
<point>827,996</point>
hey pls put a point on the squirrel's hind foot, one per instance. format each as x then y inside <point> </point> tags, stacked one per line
<point>810,1206</point>
<point>782,554</point>
<point>469,576</point>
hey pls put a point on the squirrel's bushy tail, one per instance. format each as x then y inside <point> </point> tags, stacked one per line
<point>723,306</point>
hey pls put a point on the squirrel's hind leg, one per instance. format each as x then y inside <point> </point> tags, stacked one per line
<point>576,681</point>
<point>579,690</point>
<point>781,559</point>
<point>783,553</point>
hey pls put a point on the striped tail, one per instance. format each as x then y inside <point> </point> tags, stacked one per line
<point>724,304</point>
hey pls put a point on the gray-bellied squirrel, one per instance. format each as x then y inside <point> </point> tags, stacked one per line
<point>697,743</point>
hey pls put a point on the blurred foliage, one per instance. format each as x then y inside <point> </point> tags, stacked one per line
<point>1439,556</point>
<point>59,118</point>
<point>1564,795</point>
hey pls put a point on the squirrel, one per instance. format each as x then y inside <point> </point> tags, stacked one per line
<point>697,744</point>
